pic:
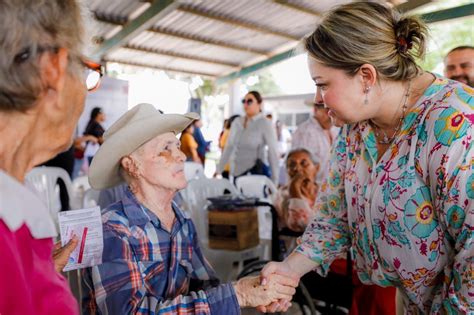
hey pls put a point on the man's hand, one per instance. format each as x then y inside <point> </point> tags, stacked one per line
<point>250,293</point>
<point>61,254</point>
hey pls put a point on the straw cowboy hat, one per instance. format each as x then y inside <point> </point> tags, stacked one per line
<point>136,127</point>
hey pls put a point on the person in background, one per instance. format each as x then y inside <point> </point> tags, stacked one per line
<point>223,142</point>
<point>203,145</point>
<point>317,135</point>
<point>400,190</point>
<point>294,214</point>
<point>94,128</point>
<point>224,127</point>
<point>459,65</point>
<point>283,138</point>
<point>42,93</point>
<point>152,260</point>
<point>189,145</point>
<point>249,137</point>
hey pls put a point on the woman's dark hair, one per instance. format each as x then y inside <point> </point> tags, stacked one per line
<point>231,120</point>
<point>95,112</point>
<point>257,96</point>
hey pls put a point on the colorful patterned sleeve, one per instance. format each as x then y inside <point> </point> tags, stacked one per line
<point>119,286</point>
<point>327,237</point>
<point>451,178</point>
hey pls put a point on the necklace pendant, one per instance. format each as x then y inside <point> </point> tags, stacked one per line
<point>385,140</point>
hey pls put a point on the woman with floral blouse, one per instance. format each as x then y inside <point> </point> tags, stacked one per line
<point>401,185</point>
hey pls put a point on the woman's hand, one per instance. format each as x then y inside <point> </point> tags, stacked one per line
<point>250,293</point>
<point>293,267</point>
<point>282,269</point>
<point>61,254</point>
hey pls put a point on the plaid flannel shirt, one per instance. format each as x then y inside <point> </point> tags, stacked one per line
<point>148,270</point>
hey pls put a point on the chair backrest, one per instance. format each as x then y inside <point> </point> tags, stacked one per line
<point>81,182</point>
<point>44,179</point>
<point>193,170</point>
<point>91,198</point>
<point>263,188</point>
<point>79,186</point>
<point>259,186</point>
<point>196,195</point>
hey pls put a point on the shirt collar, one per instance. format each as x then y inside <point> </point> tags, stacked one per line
<point>316,122</point>
<point>20,204</point>
<point>258,116</point>
<point>138,214</point>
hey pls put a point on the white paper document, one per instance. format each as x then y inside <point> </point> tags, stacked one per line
<point>86,224</point>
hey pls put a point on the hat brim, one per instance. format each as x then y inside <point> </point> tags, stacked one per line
<point>104,171</point>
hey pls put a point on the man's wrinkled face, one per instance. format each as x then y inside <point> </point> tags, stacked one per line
<point>161,162</point>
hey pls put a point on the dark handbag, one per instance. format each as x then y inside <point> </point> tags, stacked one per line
<point>260,168</point>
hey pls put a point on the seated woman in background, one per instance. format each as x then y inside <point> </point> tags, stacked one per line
<point>152,261</point>
<point>294,201</point>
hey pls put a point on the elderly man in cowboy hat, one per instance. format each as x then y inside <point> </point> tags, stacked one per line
<point>152,262</point>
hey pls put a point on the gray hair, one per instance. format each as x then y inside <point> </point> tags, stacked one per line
<point>312,156</point>
<point>28,27</point>
<point>136,155</point>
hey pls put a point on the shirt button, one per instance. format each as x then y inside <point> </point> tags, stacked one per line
<point>143,275</point>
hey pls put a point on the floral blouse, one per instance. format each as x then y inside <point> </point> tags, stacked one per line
<point>410,216</point>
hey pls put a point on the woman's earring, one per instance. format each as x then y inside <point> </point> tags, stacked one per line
<point>366,92</point>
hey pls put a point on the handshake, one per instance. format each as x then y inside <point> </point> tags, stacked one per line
<point>270,292</point>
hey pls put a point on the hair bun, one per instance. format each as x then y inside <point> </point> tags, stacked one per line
<point>410,33</point>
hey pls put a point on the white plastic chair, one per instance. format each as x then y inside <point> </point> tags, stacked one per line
<point>79,186</point>
<point>263,188</point>
<point>193,170</point>
<point>91,198</point>
<point>44,179</point>
<point>196,195</point>
<point>259,186</point>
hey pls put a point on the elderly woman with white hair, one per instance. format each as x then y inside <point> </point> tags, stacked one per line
<point>152,261</point>
<point>42,92</point>
<point>294,202</point>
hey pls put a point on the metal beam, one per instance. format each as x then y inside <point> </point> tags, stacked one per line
<point>411,5</point>
<point>297,7</point>
<point>170,69</point>
<point>203,40</point>
<point>157,10</point>
<point>227,20</point>
<point>255,67</point>
<point>437,16</point>
<point>210,41</point>
<point>181,56</point>
<point>449,14</point>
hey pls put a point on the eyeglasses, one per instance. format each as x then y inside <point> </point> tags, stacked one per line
<point>247,102</point>
<point>93,72</point>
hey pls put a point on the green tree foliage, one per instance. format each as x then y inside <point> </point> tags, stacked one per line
<point>444,36</point>
<point>266,84</point>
